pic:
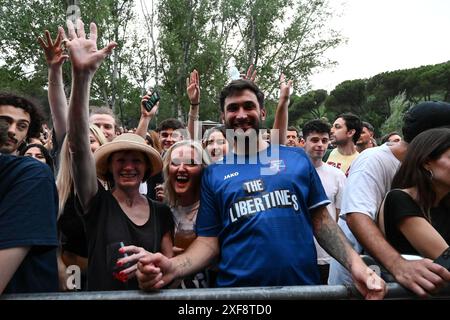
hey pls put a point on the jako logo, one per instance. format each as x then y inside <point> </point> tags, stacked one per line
<point>231,175</point>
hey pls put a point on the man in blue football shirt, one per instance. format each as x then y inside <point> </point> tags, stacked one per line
<point>260,207</point>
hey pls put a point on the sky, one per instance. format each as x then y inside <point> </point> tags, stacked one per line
<point>386,35</point>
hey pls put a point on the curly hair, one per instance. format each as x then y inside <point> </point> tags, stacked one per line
<point>29,106</point>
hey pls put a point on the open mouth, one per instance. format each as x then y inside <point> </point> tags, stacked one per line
<point>216,152</point>
<point>168,144</point>
<point>182,179</point>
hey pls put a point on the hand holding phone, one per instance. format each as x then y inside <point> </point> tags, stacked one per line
<point>444,259</point>
<point>152,101</point>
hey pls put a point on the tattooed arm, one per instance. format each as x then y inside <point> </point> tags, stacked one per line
<point>333,240</point>
<point>156,271</point>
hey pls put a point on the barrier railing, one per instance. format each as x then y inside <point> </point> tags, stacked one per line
<point>395,291</point>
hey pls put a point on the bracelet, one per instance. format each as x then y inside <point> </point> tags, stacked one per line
<point>194,116</point>
<point>194,104</point>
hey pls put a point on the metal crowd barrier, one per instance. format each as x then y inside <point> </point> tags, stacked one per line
<point>395,291</point>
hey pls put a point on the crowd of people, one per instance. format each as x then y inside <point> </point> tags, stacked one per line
<point>160,209</point>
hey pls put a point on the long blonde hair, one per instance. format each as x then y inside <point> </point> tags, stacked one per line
<point>170,195</point>
<point>64,180</point>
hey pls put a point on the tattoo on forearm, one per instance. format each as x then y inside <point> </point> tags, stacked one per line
<point>332,239</point>
<point>185,263</point>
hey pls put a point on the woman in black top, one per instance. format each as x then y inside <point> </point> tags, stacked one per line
<point>417,210</point>
<point>121,215</point>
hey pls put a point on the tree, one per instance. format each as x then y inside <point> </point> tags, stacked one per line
<point>187,41</point>
<point>23,68</point>
<point>349,95</point>
<point>280,36</point>
<point>310,103</point>
<point>277,36</point>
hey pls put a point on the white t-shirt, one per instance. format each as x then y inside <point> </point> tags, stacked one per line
<point>369,180</point>
<point>333,181</point>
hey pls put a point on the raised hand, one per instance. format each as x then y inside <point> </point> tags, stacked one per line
<point>148,114</point>
<point>54,53</point>
<point>83,52</point>
<point>250,75</point>
<point>285,87</point>
<point>193,88</point>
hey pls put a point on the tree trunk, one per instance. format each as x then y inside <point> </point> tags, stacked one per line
<point>152,38</point>
<point>252,45</point>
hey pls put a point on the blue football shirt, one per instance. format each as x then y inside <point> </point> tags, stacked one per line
<point>259,208</point>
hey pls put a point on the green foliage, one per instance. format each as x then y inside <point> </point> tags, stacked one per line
<point>13,79</point>
<point>187,41</point>
<point>309,106</point>
<point>282,36</point>
<point>373,99</point>
<point>277,36</point>
<point>28,20</point>
<point>22,23</point>
<point>349,96</point>
<point>394,122</point>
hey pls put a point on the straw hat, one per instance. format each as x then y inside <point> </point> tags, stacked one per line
<point>126,142</point>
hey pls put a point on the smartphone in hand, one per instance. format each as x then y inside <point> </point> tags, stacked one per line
<point>152,101</point>
<point>444,259</point>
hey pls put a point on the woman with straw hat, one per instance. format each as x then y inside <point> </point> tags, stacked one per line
<point>120,223</point>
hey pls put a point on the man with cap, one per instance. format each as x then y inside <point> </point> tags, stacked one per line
<point>121,219</point>
<point>370,179</point>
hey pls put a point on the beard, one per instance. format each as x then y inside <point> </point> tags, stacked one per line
<point>9,147</point>
<point>244,133</point>
<point>251,124</point>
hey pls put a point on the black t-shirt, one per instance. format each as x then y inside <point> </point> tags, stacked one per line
<point>72,230</point>
<point>28,211</point>
<point>107,224</point>
<point>71,226</point>
<point>399,205</point>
